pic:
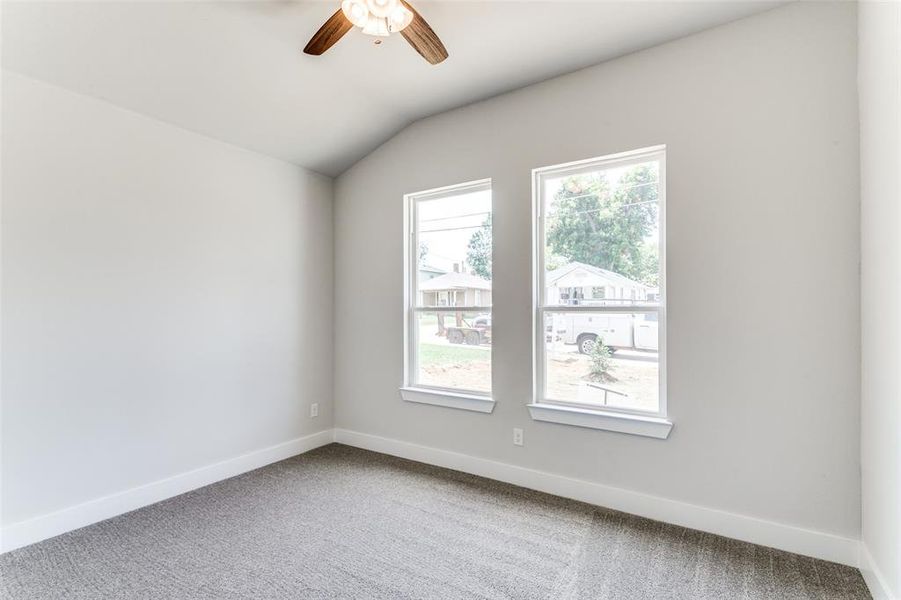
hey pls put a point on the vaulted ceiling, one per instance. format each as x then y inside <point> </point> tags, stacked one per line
<point>234,70</point>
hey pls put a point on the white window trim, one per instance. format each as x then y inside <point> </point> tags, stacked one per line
<point>622,422</point>
<point>652,424</point>
<point>411,391</point>
<point>448,398</point>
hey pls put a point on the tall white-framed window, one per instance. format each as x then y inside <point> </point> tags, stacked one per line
<point>447,306</point>
<point>600,360</point>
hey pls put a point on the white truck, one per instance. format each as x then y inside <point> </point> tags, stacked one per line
<point>615,330</point>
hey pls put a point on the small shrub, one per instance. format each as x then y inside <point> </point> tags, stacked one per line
<point>600,362</point>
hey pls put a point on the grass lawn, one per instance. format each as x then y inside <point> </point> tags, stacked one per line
<point>462,367</point>
<point>434,354</point>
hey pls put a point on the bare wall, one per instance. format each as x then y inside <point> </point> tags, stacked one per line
<point>160,292</point>
<point>880,173</point>
<point>760,121</point>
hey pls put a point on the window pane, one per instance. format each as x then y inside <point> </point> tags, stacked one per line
<point>602,359</point>
<point>454,253</point>
<point>453,350</point>
<point>602,237</point>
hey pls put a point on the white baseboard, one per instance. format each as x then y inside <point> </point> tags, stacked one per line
<point>877,583</point>
<point>785,537</point>
<point>750,529</point>
<point>52,524</point>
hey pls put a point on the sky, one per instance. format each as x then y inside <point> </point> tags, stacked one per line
<point>447,224</point>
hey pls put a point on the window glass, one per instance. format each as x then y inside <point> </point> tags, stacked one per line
<point>454,249</point>
<point>602,230</point>
<point>450,336</point>
<point>602,359</point>
<point>454,350</point>
<point>600,313</point>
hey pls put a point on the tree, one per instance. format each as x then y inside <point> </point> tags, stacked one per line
<point>478,253</point>
<point>595,226</point>
<point>555,261</point>
<point>650,264</point>
<point>600,362</point>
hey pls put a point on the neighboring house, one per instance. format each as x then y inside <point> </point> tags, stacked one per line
<point>427,272</point>
<point>456,289</point>
<point>578,283</point>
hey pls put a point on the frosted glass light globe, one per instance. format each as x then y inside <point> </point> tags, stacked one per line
<point>399,18</point>
<point>381,8</point>
<point>355,11</point>
<point>376,26</point>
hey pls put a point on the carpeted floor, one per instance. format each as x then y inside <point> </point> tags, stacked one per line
<point>345,523</point>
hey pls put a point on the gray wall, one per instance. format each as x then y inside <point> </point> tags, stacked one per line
<point>880,154</point>
<point>760,120</point>
<point>160,293</point>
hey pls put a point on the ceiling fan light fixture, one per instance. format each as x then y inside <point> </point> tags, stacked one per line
<point>356,12</point>
<point>381,8</point>
<point>399,18</point>
<point>377,26</point>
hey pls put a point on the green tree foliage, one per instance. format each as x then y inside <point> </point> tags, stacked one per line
<point>608,229</point>
<point>478,253</point>
<point>555,261</point>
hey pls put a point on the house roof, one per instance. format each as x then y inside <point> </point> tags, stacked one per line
<point>431,268</point>
<point>455,281</point>
<point>577,274</point>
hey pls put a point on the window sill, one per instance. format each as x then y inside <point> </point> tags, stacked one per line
<point>655,427</point>
<point>473,402</point>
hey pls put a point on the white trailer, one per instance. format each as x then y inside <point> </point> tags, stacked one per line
<point>614,330</point>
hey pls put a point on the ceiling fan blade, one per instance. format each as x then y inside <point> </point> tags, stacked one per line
<point>423,38</point>
<point>332,31</point>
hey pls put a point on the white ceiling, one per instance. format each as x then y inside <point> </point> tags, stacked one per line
<point>234,70</point>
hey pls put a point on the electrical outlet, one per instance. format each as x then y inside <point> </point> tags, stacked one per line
<point>314,410</point>
<point>517,437</point>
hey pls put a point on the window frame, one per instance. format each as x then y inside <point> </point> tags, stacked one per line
<point>654,424</point>
<point>411,390</point>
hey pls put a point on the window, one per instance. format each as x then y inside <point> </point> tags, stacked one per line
<point>600,226</point>
<point>448,314</point>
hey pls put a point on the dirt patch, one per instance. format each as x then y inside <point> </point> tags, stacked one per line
<point>631,382</point>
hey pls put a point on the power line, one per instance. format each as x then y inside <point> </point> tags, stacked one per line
<point>595,210</point>
<point>421,231</point>
<point>488,212</point>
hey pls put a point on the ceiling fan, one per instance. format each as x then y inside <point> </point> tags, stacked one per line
<point>379,18</point>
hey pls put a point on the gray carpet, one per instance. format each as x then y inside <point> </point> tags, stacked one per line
<point>345,523</point>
